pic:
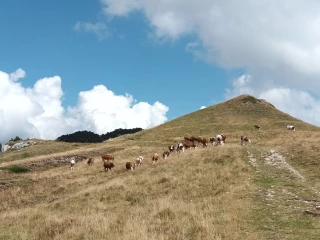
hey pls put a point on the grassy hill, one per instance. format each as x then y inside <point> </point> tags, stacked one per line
<point>217,192</point>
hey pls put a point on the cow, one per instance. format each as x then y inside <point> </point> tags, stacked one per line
<point>155,158</point>
<point>107,165</point>
<point>90,161</point>
<point>139,161</point>
<point>72,163</point>
<point>107,157</point>
<point>180,147</point>
<point>130,165</point>
<point>171,148</point>
<point>186,138</point>
<point>187,145</point>
<point>212,140</point>
<point>220,139</point>
<point>291,127</point>
<point>165,154</point>
<point>257,127</point>
<point>204,142</point>
<point>197,139</point>
<point>244,140</point>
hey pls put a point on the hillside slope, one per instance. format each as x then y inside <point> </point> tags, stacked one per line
<point>217,192</point>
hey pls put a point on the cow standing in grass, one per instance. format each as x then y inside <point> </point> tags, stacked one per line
<point>171,148</point>
<point>291,127</point>
<point>244,140</point>
<point>139,161</point>
<point>155,158</point>
<point>130,166</point>
<point>107,165</point>
<point>107,157</point>
<point>90,161</point>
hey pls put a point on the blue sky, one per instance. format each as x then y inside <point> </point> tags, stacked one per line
<point>43,42</point>
<point>180,54</point>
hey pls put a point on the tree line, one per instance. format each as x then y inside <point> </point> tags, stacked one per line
<point>91,137</point>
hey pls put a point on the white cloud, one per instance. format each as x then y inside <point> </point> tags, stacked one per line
<point>203,107</point>
<point>38,111</point>
<point>19,73</point>
<point>99,29</point>
<point>276,41</point>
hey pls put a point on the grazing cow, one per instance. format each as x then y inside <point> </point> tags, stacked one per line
<point>180,147</point>
<point>197,139</point>
<point>139,161</point>
<point>107,165</point>
<point>155,158</point>
<point>291,127</point>
<point>107,157</point>
<point>90,161</point>
<point>186,138</point>
<point>165,154</point>
<point>130,165</point>
<point>204,142</point>
<point>244,140</point>
<point>72,162</point>
<point>171,148</point>
<point>257,127</point>
<point>187,145</point>
<point>212,140</point>
<point>220,139</point>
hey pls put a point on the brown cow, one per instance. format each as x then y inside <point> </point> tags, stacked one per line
<point>188,138</point>
<point>130,165</point>
<point>108,165</point>
<point>106,156</point>
<point>165,154</point>
<point>204,142</point>
<point>187,145</point>
<point>139,161</point>
<point>212,140</point>
<point>244,140</point>
<point>90,161</point>
<point>197,139</point>
<point>155,158</point>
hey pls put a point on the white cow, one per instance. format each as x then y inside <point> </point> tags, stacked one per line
<point>291,127</point>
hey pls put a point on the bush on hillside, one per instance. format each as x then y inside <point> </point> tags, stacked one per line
<point>118,132</point>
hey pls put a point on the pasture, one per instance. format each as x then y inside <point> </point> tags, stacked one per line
<point>225,192</point>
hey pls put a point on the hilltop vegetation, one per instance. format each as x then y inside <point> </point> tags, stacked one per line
<point>230,192</point>
<point>91,137</point>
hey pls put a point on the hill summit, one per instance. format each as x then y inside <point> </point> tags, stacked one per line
<point>237,114</point>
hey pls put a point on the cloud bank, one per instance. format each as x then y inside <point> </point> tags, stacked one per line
<point>275,43</point>
<point>37,112</point>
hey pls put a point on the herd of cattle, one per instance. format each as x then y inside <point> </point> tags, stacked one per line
<point>188,143</point>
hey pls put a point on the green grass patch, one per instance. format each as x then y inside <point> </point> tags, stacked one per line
<point>16,169</point>
<point>267,181</point>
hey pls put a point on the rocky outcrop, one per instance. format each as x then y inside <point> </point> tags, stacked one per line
<point>17,146</point>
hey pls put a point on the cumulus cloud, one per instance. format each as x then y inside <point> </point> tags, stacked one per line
<point>37,112</point>
<point>99,29</point>
<point>276,41</point>
<point>202,107</point>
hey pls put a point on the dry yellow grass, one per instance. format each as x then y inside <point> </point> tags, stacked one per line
<point>206,193</point>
